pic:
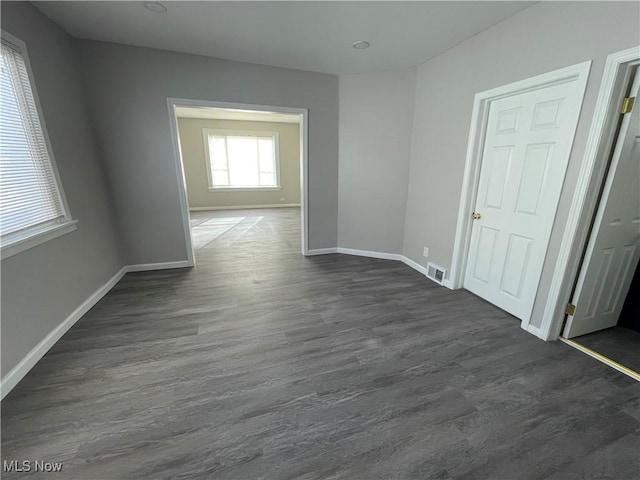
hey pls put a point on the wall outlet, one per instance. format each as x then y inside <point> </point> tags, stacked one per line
<point>425,253</point>
<point>282,199</point>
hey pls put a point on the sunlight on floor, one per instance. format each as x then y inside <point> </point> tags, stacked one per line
<point>208,231</point>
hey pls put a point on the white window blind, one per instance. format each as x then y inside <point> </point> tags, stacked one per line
<point>242,161</point>
<point>30,200</point>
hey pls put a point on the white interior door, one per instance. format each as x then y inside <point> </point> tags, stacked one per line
<point>613,249</point>
<point>526,150</point>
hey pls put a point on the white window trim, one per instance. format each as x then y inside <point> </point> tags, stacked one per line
<point>240,133</point>
<point>32,237</point>
<point>242,189</point>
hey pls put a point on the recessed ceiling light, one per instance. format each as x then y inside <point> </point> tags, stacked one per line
<point>156,7</point>
<point>360,45</point>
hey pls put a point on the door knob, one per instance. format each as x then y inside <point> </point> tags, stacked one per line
<point>476,216</point>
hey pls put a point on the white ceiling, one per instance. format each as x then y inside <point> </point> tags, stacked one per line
<point>233,114</point>
<point>315,36</point>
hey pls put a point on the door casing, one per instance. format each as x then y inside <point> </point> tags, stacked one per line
<point>590,290</point>
<point>617,71</point>
<point>182,189</point>
<point>579,74</point>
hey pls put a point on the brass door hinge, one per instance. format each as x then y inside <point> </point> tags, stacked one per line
<point>571,309</point>
<point>627,104</point>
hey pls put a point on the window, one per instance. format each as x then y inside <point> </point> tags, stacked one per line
<point>239,160</point>
<point>32,205</point>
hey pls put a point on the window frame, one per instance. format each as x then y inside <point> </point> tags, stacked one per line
<point>33,236</point>
<point>241,133</point>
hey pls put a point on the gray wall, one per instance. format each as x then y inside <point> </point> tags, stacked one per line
<point>376,114</point>
<point>542,38</point>
<point>195,168</point>
<point>43,285</point>
<point>128,90</point>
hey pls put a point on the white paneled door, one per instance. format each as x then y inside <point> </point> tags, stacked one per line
<point>613,248</point>
<point>526,149</point>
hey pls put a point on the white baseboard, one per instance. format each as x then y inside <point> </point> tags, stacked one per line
<point>28,362</point>
<point>449,284</point>
<point>145,267</point>
<point>533,330</point>
<point>18,372</point>
<point>414,265</point>
<point>322,251</point>
<point>391,256</point>
<point>423,270</point>
<point>368,253</point>
<point>371,254</point>
<point>243,207</point>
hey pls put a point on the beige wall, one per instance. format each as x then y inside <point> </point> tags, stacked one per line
<point>195,169</point>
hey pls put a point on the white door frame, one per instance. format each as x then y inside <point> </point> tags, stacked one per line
<point>182,189</point>
<point>615,78</point>
<point>473,161</point>
<point>590,267</point>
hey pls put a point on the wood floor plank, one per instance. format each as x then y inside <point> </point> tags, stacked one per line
<point>262,364</point>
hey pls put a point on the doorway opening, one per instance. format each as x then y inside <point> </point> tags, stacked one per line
<point>603,317</point>
<point>239,164</point>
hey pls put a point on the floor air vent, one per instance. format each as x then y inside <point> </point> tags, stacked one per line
<point>436,273</point>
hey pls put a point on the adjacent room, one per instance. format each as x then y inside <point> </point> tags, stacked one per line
<point>320,240</point>
<point>240,166</point>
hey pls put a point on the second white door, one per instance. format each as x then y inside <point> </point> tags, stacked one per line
<point>526,150</point>
<point>613,249</point>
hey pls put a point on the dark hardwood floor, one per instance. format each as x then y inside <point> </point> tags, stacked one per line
<point>262,364</point>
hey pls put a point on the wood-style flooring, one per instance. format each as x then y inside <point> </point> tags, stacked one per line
<point>620,344</point>
<point>262,364</point>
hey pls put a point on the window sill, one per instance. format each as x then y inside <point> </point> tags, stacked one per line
<point>19,245</point>
<point>243,189</point>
